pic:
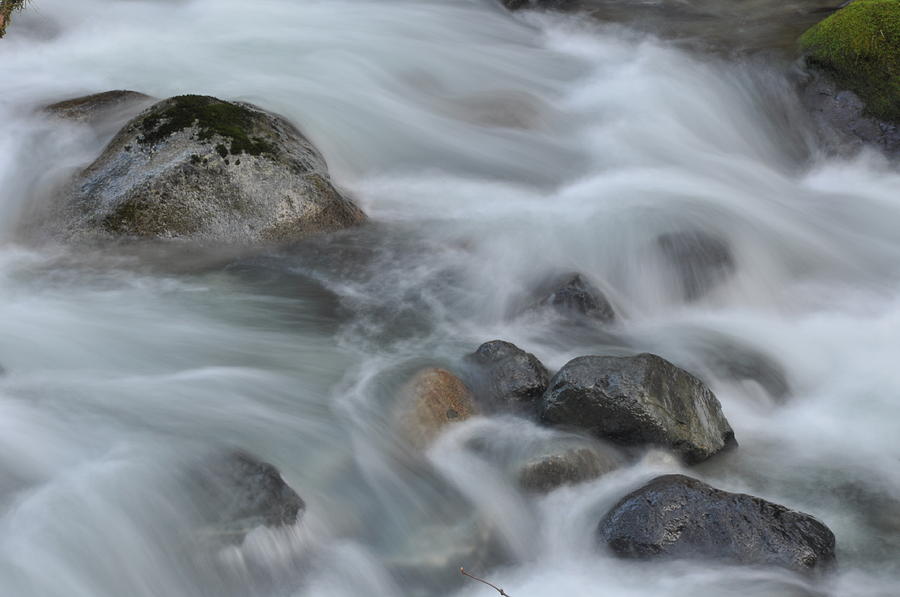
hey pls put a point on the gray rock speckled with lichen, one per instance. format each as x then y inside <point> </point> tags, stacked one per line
<point>199,168</point>
<point>636,401</point>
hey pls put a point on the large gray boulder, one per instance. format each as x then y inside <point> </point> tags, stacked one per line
<point>638,401</point>
<point>199,168</point>
<point>508,379</point>
<point>680,517</point>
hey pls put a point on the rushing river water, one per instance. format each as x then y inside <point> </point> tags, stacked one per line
<point>491,151</point>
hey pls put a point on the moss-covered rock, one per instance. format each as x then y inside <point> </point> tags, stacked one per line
<point>199,168</point>
<point>859,47</point>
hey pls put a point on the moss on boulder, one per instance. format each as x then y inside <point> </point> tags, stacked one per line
<point>859,47</point>
<point>212,118</point>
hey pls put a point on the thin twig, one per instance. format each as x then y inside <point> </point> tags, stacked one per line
<point>493,586</point>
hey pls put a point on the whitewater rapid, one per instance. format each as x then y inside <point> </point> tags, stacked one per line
<point>491,151</point>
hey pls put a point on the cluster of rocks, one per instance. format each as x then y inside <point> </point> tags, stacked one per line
<point>197,168</point>
<point>623,405</point>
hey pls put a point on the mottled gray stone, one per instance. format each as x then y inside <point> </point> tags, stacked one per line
<point>638,401</point>
<point>679,517</point>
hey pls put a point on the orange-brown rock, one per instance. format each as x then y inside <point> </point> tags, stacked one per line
<point>433,399</point>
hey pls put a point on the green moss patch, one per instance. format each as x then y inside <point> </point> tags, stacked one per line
<point>859,46</point>
<point>213,118</point>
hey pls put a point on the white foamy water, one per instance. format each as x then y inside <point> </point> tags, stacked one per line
<point>491,152</point>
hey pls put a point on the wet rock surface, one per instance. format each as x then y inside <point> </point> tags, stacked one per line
<point>638,401</point>
<point>508,379</point>
<point>679,517</point>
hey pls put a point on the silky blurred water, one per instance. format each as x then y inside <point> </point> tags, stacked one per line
<point>491,151</point>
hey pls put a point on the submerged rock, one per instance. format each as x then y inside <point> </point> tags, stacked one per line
<point>433,399</point>
<point>698,259</point>
<point>680,517</point>
<point>638,401</point>
<point>570,467</point>
<point>237,493</point>
<point>199,168</point>
<point>542,4</point>
<point>90,108</point>
<point>841,117</point>
<point>507,377</point>
<point>742,363</point>
<point>573,296</point>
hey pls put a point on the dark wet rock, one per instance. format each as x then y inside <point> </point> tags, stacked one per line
<point>433,399</point>
<point>542,4</point>
<point>699,260</point>
<point>573,296</point>
<point>569,467</point>
<point>98,106</point>
<point>679,517</point>
<point>638,401</point>
<point>842,120</point>
<point>198,168</point>
<point>507,378</point>
<point>238,493</point>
